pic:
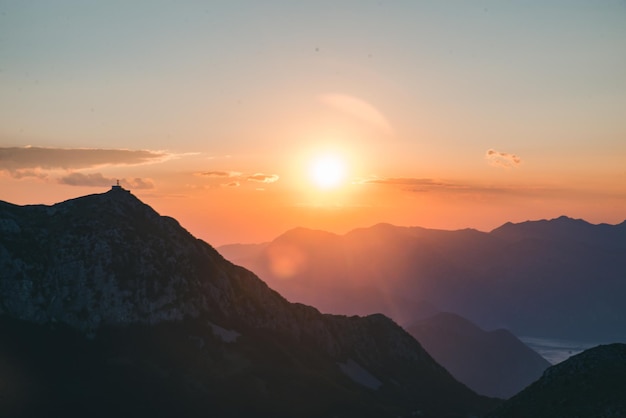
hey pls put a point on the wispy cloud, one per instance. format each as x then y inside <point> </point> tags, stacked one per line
<point>219,174</point>
<point>263,178</point>
<point>26,161</point>
<point>502,159</point>
<point>80,179</point>
<point>138,183</point>
<point>458,187</point>
<point>232,178</point>
<point>425,185</point>
<point>98,180</point>
<point>413,184</point>
<point>26,173</point>
<point>405,181</point>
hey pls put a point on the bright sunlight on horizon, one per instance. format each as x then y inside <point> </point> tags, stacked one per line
<point>328,171</point>
<point>245,119</point>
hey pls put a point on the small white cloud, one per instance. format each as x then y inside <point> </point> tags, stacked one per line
<point>502,159</point>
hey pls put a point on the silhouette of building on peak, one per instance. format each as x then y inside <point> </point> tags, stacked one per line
<point>117,188</point>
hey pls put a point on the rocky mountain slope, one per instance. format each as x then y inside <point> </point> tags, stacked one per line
<point>561,278</point>
<point>108,309</point>
<point>493,363</point>
<point>589,384</point>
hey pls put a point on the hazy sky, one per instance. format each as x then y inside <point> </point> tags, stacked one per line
<point>445,114</point>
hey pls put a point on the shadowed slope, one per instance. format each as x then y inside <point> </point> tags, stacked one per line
<point>106,303</point>
<point>589,384</point>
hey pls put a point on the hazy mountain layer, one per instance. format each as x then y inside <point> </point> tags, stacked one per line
<point>493,363</point>
<point>562,278</point>
<point>109,309</point>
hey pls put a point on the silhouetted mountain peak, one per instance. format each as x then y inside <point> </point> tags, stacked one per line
<point>302,234</point>
<point>102,258</point>
<point>536,225</point>
<point>564,229</point>
<point>565,218</point>
<point>381,228</point>
<point>108,261</point>
<point>385,226</point>
<point>115,206</point>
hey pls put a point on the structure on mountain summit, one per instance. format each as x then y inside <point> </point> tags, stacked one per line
<point>116,187</point>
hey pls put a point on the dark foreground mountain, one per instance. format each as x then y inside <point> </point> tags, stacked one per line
<point>591,384</point>
<point>108,309</point>
<point>562,278</point>
<point>493,363</point>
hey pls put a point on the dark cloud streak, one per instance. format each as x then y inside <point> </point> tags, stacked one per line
<point>17,159</point>
<point>92,180</point>
<point>426,185</point>
<point>406,181</point>
<point>219,174</point>
<point>98,180</point>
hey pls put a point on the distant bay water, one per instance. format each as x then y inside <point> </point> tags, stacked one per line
<point>556,350</point>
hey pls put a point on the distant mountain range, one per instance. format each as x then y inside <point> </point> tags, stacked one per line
<point>108,309</point>
<point>493,363</point>
<point>560,278</point>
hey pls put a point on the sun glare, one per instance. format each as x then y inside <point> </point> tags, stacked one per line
<point>328,171</point>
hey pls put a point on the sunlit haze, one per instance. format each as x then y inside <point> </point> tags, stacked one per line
<point>243,119</point>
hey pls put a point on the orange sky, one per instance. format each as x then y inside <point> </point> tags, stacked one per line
<point>224,205</point>
<point>443,115</point>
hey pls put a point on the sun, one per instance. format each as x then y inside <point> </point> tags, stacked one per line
<point>327,171</point>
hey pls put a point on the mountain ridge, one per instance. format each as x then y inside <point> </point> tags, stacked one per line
<point>112,269</point>
<point>382,225</point>
<point>564,228</point>
<point>481,276</point>
<point>589,384</point>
